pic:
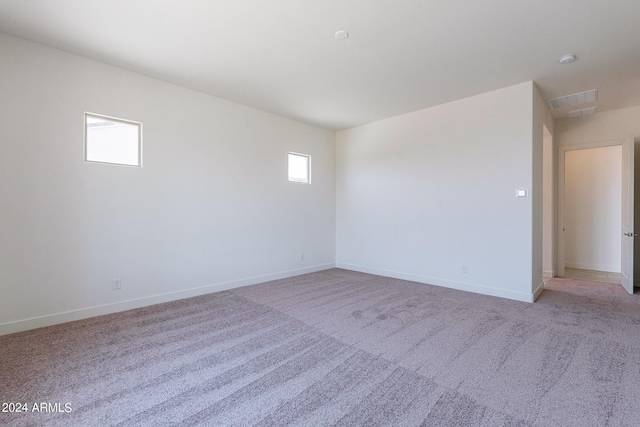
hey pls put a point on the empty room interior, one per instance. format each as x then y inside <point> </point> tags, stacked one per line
<point>319,213</point>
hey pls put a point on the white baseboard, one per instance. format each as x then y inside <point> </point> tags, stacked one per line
<point>469,287</point>
<point>538,291</point>
<point>84,313</point>
<point>593,267</point>
<point>548,274</point>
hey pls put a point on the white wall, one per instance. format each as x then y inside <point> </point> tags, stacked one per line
<point>548,209</point>
<point>422,194</point>
<point>593,190</point>
<point>541,120</point>
<point>604,126</point>
<point>210,209</point>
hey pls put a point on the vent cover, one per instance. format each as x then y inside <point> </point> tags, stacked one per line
<point>583,112</point>
<point>575,99</point>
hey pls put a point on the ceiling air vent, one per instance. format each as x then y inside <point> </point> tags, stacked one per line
<point>575,99</point>
<point>583,112</point>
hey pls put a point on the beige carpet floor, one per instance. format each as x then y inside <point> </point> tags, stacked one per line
<point>338,348</point>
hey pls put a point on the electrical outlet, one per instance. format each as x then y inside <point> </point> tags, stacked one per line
<point>117,284</point>
<point>301,257</point>
<point>465,269</point>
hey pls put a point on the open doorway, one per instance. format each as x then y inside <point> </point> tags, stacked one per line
<point>590,210</point>
<point>593,211</point>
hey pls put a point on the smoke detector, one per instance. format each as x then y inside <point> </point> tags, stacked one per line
<point>566,59</point>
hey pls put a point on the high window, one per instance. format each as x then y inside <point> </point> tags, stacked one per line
<point>299,168</point>
<point>111,140</point>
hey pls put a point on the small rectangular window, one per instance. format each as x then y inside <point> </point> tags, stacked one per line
<point>299,168</point>
<point>111,140</point>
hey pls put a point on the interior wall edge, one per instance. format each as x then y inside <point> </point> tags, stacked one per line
<point>537,291</point>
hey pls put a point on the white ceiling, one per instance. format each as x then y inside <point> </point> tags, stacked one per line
<point>402,55</point>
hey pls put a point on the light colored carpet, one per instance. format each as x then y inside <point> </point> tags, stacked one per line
<point>339,348</point>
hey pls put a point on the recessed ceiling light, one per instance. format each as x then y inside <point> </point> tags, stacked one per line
<point>565,59</point>
<point>341,35</point>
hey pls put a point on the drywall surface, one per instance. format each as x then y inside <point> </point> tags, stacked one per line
<point>431,194</point>
<point>548,209</point>
<point>593,191</point>
<point>541,119</point>
<point>210,209</point>
<point>604,126</point>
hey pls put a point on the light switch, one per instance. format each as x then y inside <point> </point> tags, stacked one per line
<point>522,193</point>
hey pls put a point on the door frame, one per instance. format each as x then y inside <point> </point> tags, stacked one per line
<point>628,214</point>
<point>560,190</point>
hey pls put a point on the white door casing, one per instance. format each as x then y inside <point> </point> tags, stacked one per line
<point>627,214</point>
